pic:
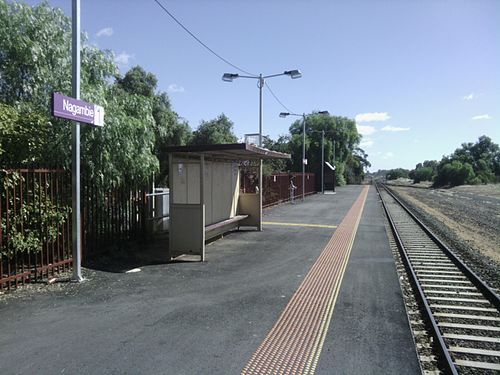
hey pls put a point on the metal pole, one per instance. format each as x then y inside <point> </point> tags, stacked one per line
<point>303,156</point>
<point>261,86</point>
<point>322,162</point>
<point>335,170</point>
<point>75,132</point>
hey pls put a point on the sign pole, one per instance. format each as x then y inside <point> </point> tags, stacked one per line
<point>75,132</point>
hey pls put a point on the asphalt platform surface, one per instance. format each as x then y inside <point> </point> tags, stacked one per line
<point>209,318</point>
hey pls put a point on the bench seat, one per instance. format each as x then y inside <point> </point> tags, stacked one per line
<point>223,223</point>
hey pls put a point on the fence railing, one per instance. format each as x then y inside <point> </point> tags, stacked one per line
<point>111,217</point>
<point>35,218</point>
<point>35,232</point>
<point>276,187</point>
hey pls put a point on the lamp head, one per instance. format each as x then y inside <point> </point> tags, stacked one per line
<point>284,114</point>
<point>229,77</point>
<point>325,113</point>
<point>293,73</point>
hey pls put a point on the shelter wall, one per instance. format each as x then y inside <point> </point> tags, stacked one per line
<point>220,187</point>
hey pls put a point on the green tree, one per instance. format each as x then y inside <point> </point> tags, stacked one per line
<point>23,136</point>
<point>341,129</point>
<point>282,144</point>
<point>168,128</point>
<point>356,165</point>
<point>35,57</point>
<point>425,171</point>
<point>8,124</point>
<point>138,81</point>
<point>394,174</point>
<point>454,173</point>
<point>422,174</point>
<point>471,163</point>
<point>122,151</point>
<point>34,53</point>
<point>216,131</point>
<point>35,60</point>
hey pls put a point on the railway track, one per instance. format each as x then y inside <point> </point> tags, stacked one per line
<point>463,313</point>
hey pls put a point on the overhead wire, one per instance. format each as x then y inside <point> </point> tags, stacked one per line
<point>277,99</point>
<point>199,41</point>
<point>216,54</point>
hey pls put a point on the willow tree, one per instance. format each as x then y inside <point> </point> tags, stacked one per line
<point>35,60</point>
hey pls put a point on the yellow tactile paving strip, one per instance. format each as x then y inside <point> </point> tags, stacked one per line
<point>298,224</point>
<point>294,344</point>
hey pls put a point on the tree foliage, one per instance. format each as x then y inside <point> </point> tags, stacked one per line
<point>282,144</point>
<point>35,60</point>
<point>425,171</point>
<point>37,221</point>
<point>350,161</point>
<point>216,131</point>
<point>394,174</point>
<point>472,163</point>
<point>26,132</point>
<point>422,174</point>
<point>455,173</point>
<point>138,81</point>
<point>355,166</point>
<point>34,53</point>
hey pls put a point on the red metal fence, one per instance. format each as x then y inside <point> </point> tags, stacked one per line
<point>112,216</point>
<point>35,218</point>
<point>35,233</point>
<point>276,187</point>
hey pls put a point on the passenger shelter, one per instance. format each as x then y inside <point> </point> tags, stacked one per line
<point>205,197</point>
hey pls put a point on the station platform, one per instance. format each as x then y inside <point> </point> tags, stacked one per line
<point>306,295</point>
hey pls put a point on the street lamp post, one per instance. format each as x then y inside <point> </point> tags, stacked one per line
<point>303,156</point>
<point>303,115</point>
<point>322,162</point>
<point>334,171</point>
<point>230,77</point>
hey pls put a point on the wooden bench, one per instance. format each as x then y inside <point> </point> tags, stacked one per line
<point>220,227</point>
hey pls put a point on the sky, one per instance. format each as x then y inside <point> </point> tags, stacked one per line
<point>420,77</point>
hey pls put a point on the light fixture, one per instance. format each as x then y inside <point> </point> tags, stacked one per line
<point>229,77</point>
<point>294,74</point>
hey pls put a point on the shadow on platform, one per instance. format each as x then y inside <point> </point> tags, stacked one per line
<point>130,255</point>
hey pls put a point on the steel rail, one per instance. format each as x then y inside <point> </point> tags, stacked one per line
<point>488,292</point>
<point>443,349</point>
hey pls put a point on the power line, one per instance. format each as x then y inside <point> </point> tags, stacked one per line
<point>199,41</point>
<point>216,54</point>
<point>277,99</point>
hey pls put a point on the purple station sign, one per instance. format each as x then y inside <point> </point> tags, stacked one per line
<point>77,110</point>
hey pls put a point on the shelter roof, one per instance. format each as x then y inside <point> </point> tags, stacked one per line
<point>232,151</point>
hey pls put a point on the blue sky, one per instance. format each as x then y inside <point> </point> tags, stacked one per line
<point>420,77</point>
